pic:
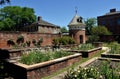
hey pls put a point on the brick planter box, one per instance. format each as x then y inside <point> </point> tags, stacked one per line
<point>87,53</point>
<point>98,44</point>
<point>37,71</point>
<point>97,60</point>
<point>13,53</point>
<point>107,55</point>
<point>91,52</point>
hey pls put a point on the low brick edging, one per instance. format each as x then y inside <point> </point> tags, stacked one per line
<point>87,53</point>
<point>107,55</point>
<point>37,71</point>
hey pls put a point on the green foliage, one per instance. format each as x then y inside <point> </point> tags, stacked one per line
<point>92,38</point>
<point>40,41</point>
<point>34,42</point>
<point>64,29</point>
<point>7,24</point>
<point>37,43</point>
<point>83,73</point>
<point>90,23</point>
<point>59,54</point>
<point>28,43</point>
<point>114,49</point>
<point>85,47</point>
<point>20,39</point>
<point>65,40</point>
<point>108,72</point>
<point>104,71</point>
<point>4,1</point>
<point>15,17</point>
<point>95,32</point>
<point>10,42</point>
<point>34,57</point>
<point>37,56</point>
<point>100,30</point>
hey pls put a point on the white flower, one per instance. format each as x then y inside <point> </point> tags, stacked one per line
<point>85,68</point>
<point>78,71</point>
<point>75,75</point>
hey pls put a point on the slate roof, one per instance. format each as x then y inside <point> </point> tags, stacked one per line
<point>76,21</point>
<point>42,22</point>
<point>112,13</point>
<point>45,23</point>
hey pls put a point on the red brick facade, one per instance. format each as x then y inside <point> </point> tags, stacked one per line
<point>111,21</point>
<point>78,35</point>
<point>77,29</point>
<point>5,36</point>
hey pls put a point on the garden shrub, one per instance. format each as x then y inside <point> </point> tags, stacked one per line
<point>39,42</point>
<point>34,42</point>
<point>10,42</point>
<point>104,71</point>
<point>20,39</point>
<point>83,73</point>
<point>87,46</point>
<point>37,56</point>
<point>114,48</point>
<point>28,43</point>
<point>92,38</point>
<point>65,40</point>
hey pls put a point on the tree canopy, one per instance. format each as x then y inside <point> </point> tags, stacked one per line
<point>16,17</point>
<point>64,29</point>
<point>4,1</point>
<point>90,23</point>
<point>100,30</point>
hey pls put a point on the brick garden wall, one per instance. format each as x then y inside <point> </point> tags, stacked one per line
<point>5,36</point>
<point>39,70</point>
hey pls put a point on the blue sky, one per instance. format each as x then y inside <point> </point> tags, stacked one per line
<point>60,12</point>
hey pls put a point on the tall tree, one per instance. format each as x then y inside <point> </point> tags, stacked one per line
<point>4,1</point>
<point>90,23</point>
<point>18,17</point>
<point>100,30</point>
<point>96,31</point>
<point>64,29</point>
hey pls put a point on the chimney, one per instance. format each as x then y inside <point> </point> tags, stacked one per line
<point>112,10</point>
<point>39,18</point>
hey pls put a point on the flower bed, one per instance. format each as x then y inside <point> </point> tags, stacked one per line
<point>36,71</point>
<point>113,52</point>
<point>108,55</point>
<point>96,68</point>
<point>36,56</point>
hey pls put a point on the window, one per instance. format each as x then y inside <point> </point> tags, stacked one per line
<point>118,21</point>
<point>110,22</point>
<point>103,23</point>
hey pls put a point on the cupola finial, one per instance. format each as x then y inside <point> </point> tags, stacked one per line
<point>76,9</point>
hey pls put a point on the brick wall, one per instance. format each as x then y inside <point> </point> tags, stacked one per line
<point>39,70</point>
<point>5,36</point>
<point>76,35</point>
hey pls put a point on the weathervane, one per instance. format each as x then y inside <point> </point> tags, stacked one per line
<point>76,8</point>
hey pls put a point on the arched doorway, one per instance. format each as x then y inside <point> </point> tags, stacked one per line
<point>81,39</point>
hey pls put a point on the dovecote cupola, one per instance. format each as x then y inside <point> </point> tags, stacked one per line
<point>77,29</point>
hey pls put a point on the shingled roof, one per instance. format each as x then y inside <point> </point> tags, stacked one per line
<point>112,12</point>
<point>76,21</point>
<point>45,23</point>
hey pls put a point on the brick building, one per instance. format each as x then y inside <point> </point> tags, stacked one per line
<point>111,21</point>
<point>77,29</point>
<point>37,30</point>
<point>42,26</point>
